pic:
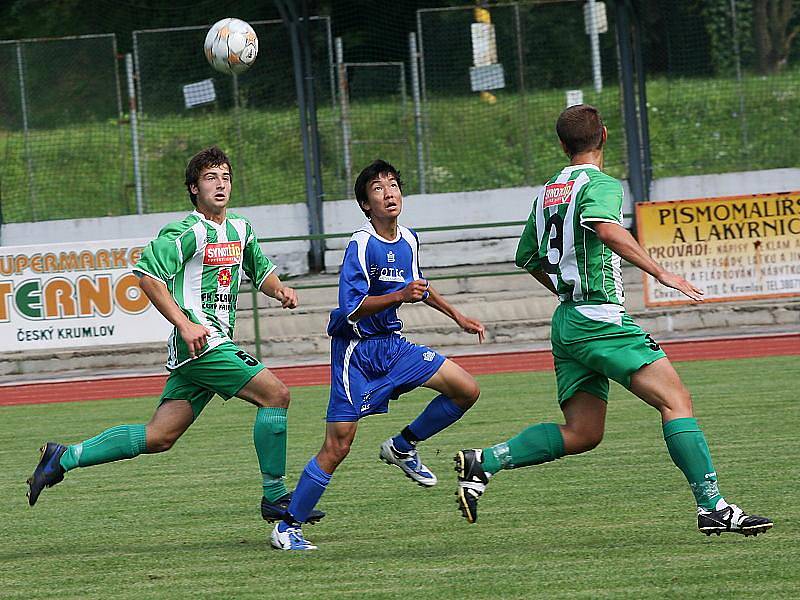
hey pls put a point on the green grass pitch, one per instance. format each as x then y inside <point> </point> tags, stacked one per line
<point>617,522</point>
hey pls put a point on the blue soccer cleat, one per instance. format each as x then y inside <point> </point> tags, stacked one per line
<point>48,472</point>
<point>291,538</point>
<point>409,463</point>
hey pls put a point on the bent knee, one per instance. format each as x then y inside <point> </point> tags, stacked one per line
<point>336,452</point>
<point>160,442</point>
<point>277,398</point>
<point>468,395</point>
<point>579,441</point>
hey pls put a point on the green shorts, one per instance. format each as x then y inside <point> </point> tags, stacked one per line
<point>223,370</point>
<point>593,343</point>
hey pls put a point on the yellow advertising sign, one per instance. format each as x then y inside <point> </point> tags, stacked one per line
<point>733,248</point>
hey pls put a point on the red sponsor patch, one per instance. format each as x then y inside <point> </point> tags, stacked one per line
<point>557,193</point>
<point>224,277</point>
<point>225,254</point>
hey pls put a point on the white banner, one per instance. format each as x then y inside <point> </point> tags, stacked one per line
<point>74,295</point>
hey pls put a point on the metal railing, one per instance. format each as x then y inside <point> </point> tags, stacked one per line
<point>324,236</point>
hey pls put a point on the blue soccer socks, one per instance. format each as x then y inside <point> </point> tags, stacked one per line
<point>440,413</point>
<point>309,490</point>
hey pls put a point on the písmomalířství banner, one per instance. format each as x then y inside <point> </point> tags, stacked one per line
<point>74,295</point>
<point>733,248</point>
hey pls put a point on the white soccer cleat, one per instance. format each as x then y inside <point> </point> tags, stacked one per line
<point>290,539</point>
<point>409,463</point>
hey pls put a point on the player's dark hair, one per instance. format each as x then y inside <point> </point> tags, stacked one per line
<point>375,169</point>
<point>205,159</point>
<point>580,127</point>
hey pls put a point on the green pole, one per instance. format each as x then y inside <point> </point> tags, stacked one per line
<point>256,327</point>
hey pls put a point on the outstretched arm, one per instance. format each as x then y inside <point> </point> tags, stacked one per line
<point>623,244</point>
<point>193,334</point>
<point>437,301</point>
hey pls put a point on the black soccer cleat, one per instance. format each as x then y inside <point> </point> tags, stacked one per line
<point>731,519</point>
<point>276,511</point>
<point>48,472</point>
<point>472,481</point>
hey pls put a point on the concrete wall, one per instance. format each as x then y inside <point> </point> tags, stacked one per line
<point>447,248</point>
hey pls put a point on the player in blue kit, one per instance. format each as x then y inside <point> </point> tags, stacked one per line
<point>371,363</point>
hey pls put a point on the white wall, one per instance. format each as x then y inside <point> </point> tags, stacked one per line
<point>447,248</point>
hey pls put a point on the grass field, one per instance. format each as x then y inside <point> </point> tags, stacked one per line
<point>615,523</point>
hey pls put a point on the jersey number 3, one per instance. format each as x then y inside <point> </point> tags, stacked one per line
<point>555,233</point>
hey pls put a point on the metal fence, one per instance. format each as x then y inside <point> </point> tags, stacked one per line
<point>61,138</point>
<point>253,116</point>
<point>468,102</point>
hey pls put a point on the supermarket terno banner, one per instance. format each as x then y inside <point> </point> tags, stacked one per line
<point>74,295</point>
<point>733,248</point>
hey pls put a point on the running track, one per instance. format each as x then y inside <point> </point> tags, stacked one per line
<point>477,364</point>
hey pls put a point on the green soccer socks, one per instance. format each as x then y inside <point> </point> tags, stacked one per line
<point>689,451</point>
<point>269,437</point>
<point>117,443</point>
<point>535,445</point>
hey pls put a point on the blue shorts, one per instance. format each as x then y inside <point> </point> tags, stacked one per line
<point>367,373</point>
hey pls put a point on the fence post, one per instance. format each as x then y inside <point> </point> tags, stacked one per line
<point>23,96</point>
<point>303,82</point>
<point>629,109</point>
<point>594,41</point>
<point>415,93</point>
<point>137,173</point>
<point>344,105</point>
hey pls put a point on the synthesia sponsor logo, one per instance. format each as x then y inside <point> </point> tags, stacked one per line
<point>557,193</point>
<point>223,254</point>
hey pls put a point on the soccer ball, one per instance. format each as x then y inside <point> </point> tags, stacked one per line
<point>231,46</point>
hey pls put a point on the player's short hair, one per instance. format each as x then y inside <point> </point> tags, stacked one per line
<point>580,127</point>
<point>376,168</point>
<point>206,158</point>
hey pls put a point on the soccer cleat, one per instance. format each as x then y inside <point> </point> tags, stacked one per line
<point>290,539</point>
<point>733,519</point>
<point>48,472</point>
<point>276,511</point>
<point>408,462</point>
<point>472,481</point>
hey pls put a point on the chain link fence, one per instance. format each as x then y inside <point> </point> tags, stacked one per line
<point>64,148</point>
<point>716,102</point>
<point>473,108</point>
<point>252,116</point>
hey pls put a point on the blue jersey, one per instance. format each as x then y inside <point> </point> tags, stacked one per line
<point>374,266</point>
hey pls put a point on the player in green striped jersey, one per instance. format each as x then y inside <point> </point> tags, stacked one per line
<point>573,244</point>
<point>191,273</point>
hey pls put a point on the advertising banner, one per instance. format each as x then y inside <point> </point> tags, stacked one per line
<point>733,248</point>
<point>74,295</point>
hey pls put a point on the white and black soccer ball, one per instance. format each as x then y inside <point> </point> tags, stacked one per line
<point>231,46</point>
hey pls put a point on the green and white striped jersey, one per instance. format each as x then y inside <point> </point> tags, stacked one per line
<point>559,239</point>
<point>201,263</point>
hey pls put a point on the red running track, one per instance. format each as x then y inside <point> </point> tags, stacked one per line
<point>477,364</point>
